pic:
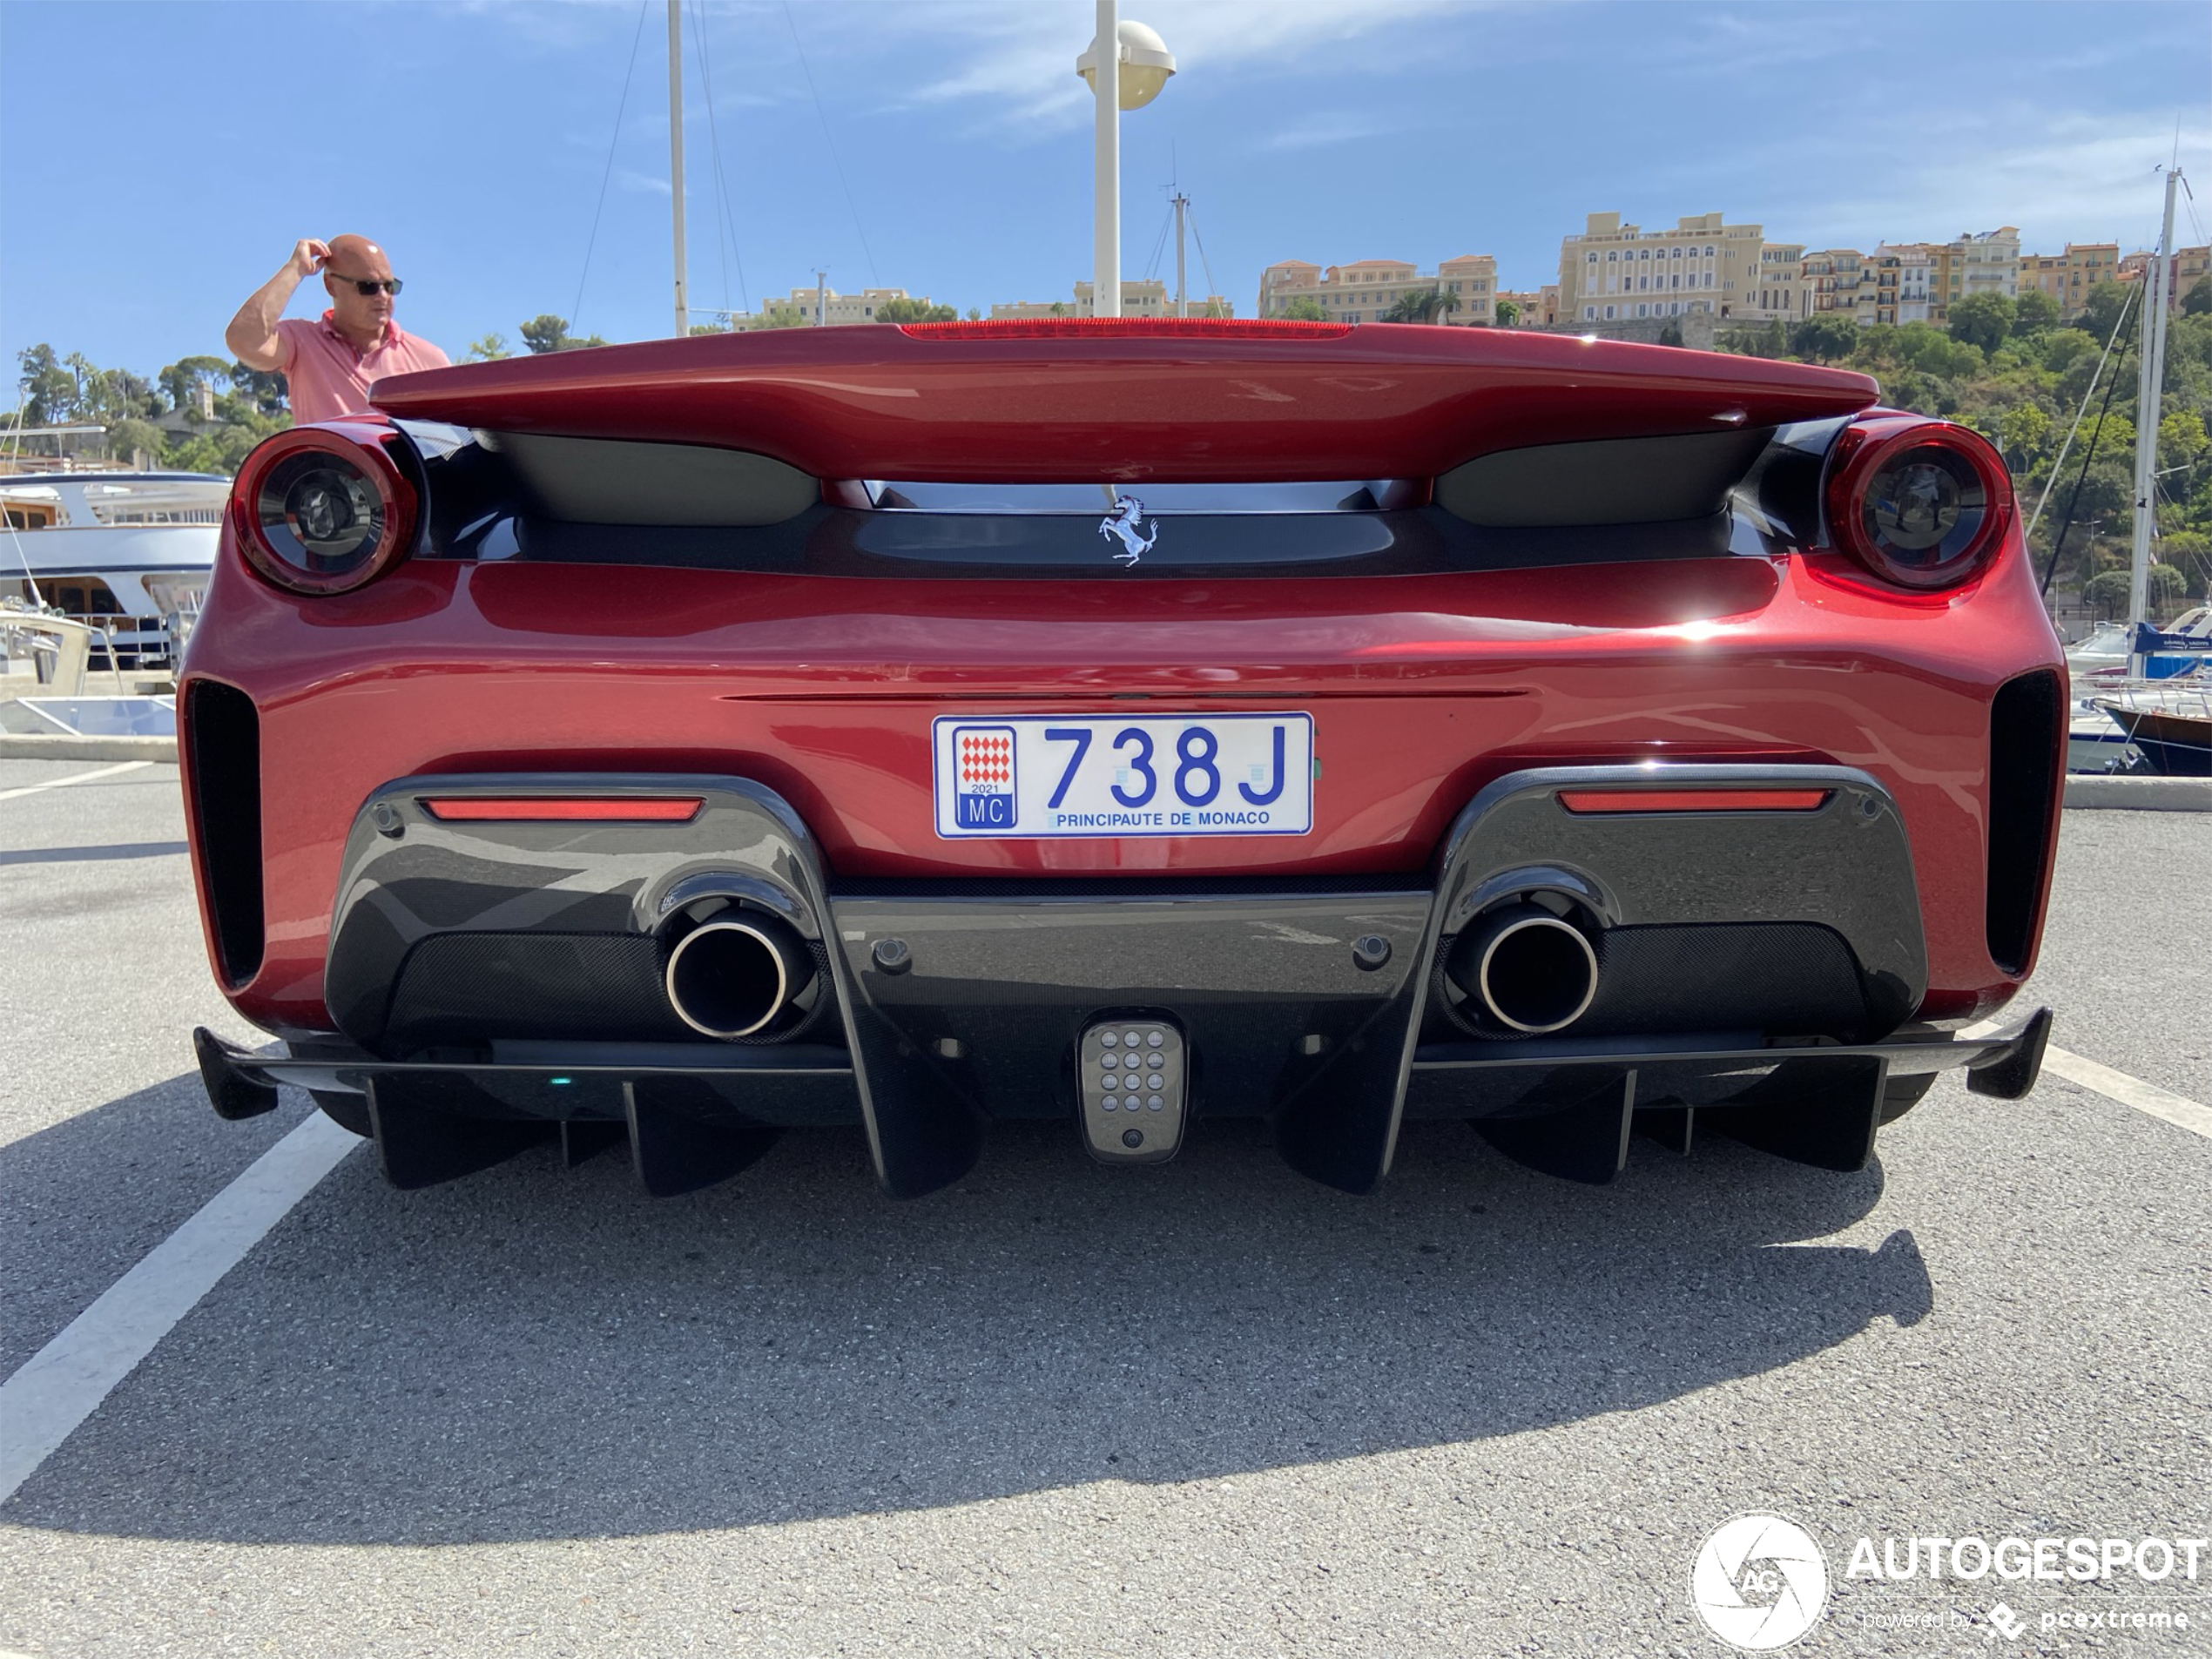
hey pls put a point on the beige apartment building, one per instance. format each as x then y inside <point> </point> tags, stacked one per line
<point>1533,307</point>
<point>2188,266</point>
<point>1974,262</point>
<point>836,308</point>
<point>1614,272</point>
<point>1139,298</point>
<point>2068,277</point>
<point>1364,290</point>
<point>1777,290</point>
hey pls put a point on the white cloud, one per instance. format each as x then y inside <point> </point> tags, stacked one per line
<point>2081,178</point>
<point>1333,127</point>
<point>645,184</point>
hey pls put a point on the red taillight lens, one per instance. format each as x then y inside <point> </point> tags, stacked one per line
<point>550,809</point>
<point>1923,503</point>
<point>324,509</point>
<point>1693,800</point>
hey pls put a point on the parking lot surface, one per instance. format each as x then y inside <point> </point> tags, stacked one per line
<point>1206,1408</point>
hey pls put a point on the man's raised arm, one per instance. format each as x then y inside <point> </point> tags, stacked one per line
<point>252,333</point>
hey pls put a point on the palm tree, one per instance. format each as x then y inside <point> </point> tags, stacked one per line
<point>1422,305</point>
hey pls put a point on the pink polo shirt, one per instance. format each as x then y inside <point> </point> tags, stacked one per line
<point>329,378</point>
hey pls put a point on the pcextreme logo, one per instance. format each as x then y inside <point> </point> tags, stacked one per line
<point>1759,1581</point>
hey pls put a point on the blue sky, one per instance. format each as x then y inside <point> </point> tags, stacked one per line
<point>162,159</point>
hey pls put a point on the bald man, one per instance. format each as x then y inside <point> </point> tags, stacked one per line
<point>331,363</point>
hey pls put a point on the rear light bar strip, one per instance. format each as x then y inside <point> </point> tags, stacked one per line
<point>1693,800</point>
<point>1127,329</point>
<point>548,809</point>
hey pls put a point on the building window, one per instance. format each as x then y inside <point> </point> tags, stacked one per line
<point>1609,313</point>
<point>1644,311</point>
<point>1589,313</point>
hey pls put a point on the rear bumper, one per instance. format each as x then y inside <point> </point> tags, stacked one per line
<point>1748,958</point>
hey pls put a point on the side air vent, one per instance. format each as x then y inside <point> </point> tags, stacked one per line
<point>223,739</point>
<point>2026,727</point>
<point>1609,481</point>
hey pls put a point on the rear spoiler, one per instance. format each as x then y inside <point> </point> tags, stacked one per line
<point>1116,401</point>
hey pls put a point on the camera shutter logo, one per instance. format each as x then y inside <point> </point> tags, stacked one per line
<point>1759,1582</point>
<point>983,797</point>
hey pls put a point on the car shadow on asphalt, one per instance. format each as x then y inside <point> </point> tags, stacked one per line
<point>535,1352</point>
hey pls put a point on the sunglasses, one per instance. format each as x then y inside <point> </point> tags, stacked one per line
<point>367,286</point>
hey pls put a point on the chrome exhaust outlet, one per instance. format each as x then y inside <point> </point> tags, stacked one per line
<point>1530,971</point>
<point>730,975</point>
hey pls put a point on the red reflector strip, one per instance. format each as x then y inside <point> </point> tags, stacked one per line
<point>548,809</point>
<point>1127,327</point>
<point>1692,800</point>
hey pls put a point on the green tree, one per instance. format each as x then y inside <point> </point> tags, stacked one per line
<point>1508,312</point>
<point>222,447</point>
<point>2197,301</point>
<point>2189,552</point>
<point>489,348</point>
<point>547,333</point>
<point>181,380</point>
<point>2182,440</point>
<point>1306,308</point>
<point>900,310</point>
<point>264,392</point>
<point>1826,340</point>
<point>130,438</point>
<point>1982,320</point>
<point>2033,311</point>
<point>2023,432</point>
<point>48,390</point>
<point>2101,308</point>
<point>1422,305</point>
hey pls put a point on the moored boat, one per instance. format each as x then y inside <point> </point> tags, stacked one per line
<point>127,553</point>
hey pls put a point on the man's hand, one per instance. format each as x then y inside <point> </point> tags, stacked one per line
<point>309,256</point>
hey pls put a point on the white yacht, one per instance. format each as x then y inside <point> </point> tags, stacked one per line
<point>127,553</point>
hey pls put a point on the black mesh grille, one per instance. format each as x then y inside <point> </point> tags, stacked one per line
<point>223,751</point>
<point>2026,727</point>
<point>1782,978</point>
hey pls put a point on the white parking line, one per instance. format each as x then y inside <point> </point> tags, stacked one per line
<point>2177,1110</point>
<point>64,1382</point>
<point>74,778</point>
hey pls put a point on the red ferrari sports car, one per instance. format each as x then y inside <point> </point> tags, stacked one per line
<point>1125,723</point>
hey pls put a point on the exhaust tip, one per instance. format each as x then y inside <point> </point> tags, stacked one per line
<point>730,976</point>
<point>1532,972</point>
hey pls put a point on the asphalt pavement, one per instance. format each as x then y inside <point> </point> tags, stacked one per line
<point>1207,1408</point>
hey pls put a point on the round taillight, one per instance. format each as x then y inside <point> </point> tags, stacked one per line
<point>320,510</point>
<point>1923,503</point>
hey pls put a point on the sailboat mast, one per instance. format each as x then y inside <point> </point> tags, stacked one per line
<point>1182,201</point>
<point>676,154</point>
<point>2147,389</point>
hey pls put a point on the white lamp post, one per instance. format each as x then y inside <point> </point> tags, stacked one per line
<point>1143,66</point>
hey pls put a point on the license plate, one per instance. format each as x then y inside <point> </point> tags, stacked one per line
<point>1044,775</point>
